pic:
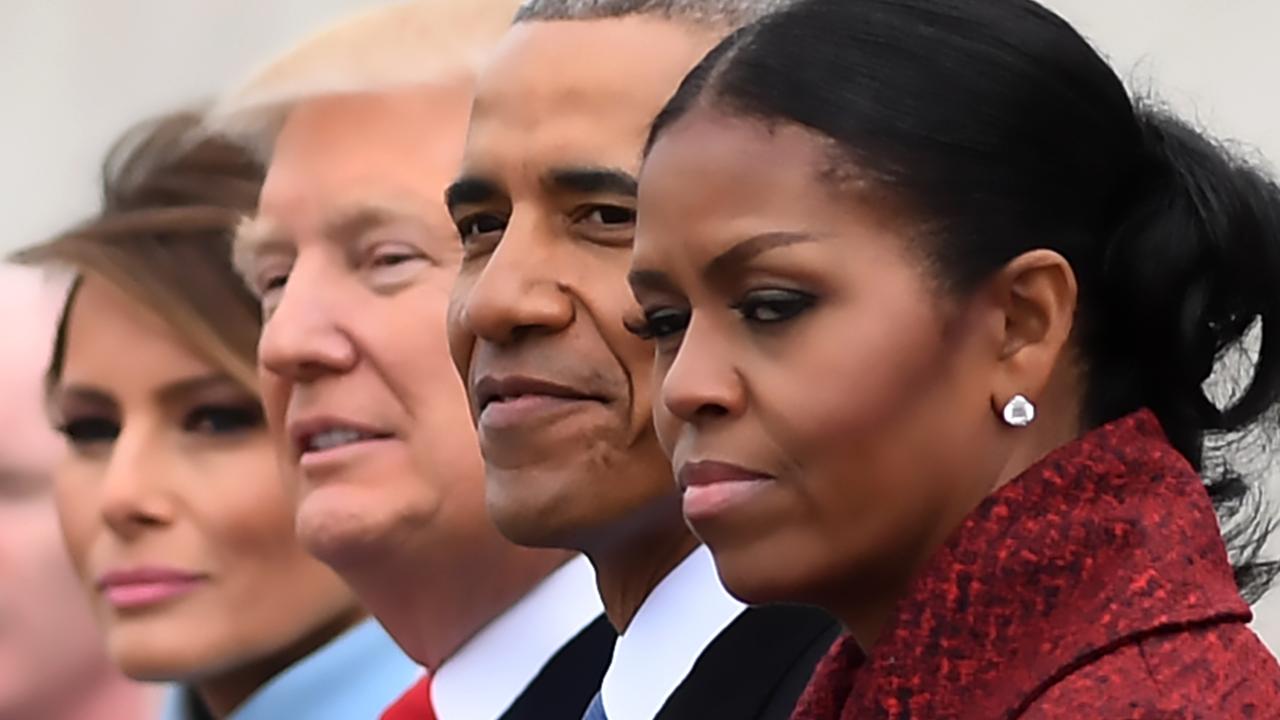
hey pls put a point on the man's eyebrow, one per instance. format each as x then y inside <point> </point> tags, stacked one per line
<point>589,180</point>
<point>348,222</point>
<point>730,260</point>
<point>468,190</point>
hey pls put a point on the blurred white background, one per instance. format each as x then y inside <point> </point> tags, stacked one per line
<point>75,73</point>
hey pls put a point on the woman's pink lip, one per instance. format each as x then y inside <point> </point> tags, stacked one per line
<point>142,587</point>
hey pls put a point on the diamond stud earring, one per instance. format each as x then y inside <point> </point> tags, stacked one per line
<point>1019,412</point>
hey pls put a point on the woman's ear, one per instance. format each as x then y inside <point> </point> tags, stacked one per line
<point>1036,296</point>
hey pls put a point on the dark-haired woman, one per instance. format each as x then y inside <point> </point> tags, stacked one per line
<point>935,302</point>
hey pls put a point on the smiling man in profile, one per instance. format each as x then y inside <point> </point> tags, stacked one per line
<point>352,254</point>
<point>560,390</point>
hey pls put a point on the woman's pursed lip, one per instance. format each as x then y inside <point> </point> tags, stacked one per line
<point>138,587</point>
<point>712,472</point>
<point>143,575</point>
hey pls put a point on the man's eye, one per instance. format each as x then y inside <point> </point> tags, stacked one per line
<point>392,259</point>
<point>273,282</point>
<point>391,255</point>
<point>269,290</point>
<point>474,226</point>
<point>764,307</point>
<point>270,278</point>
<point>610,215</point>
<point>660,323</point>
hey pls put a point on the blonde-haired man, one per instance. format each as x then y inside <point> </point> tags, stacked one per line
<point>353,254</point>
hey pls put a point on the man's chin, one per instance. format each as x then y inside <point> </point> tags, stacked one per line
<point>554,516</point>
<point>349,528</point>
<point>546,525</point>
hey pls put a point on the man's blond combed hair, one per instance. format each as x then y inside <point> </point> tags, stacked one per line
<point>422,42</point>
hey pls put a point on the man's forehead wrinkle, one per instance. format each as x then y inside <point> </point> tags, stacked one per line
<point>523,77</point>
<point>568,127</point>
<point>576,83</point>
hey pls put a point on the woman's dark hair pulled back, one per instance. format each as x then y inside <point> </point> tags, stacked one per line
<point>1003,131</point>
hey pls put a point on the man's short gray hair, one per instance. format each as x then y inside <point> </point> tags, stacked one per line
<point>704,13</point>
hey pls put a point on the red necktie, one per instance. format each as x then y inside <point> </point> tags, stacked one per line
<point>414,704</point>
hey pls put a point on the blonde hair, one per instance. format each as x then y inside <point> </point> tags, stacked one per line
<point>396,46</point>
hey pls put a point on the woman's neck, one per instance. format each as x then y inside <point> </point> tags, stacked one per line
<point>224,692</point>
<point>865,614</point>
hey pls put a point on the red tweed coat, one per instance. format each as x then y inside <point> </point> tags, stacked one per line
<point>1096,585</point>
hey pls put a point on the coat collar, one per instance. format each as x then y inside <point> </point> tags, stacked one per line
<point>1106,539</point>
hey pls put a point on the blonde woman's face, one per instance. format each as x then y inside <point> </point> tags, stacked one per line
<point>177,524</point>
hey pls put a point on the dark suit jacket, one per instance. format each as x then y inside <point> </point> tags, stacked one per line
<point>756,668</point>
<point>567,683</point>
<point>562,689</point>
<point>1095,585</point>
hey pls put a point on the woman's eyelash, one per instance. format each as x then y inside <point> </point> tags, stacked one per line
<point>773,305</point>
<point>223,419</point>
<point>84,431</point>
<point>659,323</point>
<point>640,328</point>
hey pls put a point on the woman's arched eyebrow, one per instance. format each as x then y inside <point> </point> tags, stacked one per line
<point>651,280</point>
<point>723,265</point>
<point>732,259</point>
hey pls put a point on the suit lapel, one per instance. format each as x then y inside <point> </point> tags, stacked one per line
<point>565,685</point>
<point>755,668</point>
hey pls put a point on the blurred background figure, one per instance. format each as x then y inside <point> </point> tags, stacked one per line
<point>170,501</point>
<point>53,665</point>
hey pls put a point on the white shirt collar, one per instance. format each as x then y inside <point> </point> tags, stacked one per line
<point>679,619</point>
<point>483,679</point>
